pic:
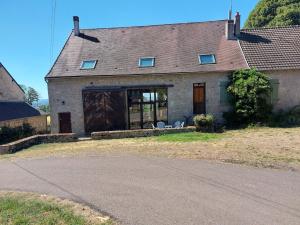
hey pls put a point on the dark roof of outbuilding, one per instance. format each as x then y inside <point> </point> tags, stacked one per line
<point>16,110</point>
<point>272,48</point>
<point>175,47</point>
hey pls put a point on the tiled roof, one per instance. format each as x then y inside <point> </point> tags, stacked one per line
<point>272,48</point>
<point>16,110</point>
<point>175,47</point>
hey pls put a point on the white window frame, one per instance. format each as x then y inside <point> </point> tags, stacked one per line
<point>88,60</point>
<point>214,62</point>
<point>153,62</point>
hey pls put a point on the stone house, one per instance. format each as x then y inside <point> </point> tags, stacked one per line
<point>133,77</point>
<point>12,99</point>
<point>10,90</point>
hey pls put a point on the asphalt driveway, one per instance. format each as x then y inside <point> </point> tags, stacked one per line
<point>153,191</point>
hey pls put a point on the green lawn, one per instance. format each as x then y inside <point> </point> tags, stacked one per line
<point>188,137</point>
<point>262,147</point>
<point>21,210</point>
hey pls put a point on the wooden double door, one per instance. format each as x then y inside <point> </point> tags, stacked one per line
<point>104,110</point>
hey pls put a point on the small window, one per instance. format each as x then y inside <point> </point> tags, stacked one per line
<point>88,64</point>
<point>207,59</point>
<point>225,97</point>
<point>147,62</point>
<point>275,90</point>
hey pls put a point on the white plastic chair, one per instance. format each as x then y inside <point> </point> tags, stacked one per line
<point>161,125</point>
<point>177,124</point>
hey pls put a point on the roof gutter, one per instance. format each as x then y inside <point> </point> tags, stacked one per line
<point>142,74</point>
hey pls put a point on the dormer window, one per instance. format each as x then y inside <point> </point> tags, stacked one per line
<point>207,59</point>
<point>147,62</point>
<point>88,64</point>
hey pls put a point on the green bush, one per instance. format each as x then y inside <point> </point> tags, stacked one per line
<point>8,134</point>
<point>204,123</point>
<point>250,98</point>
<point>289,118</point>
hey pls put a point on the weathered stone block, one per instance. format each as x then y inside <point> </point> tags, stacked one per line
<point>35,140</point>
<point>138,133</point>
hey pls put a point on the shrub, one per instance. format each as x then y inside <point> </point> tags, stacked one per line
<point>250,98</point>
<point>286,118</point>
<point>8,134</point>
<point>204,123</point>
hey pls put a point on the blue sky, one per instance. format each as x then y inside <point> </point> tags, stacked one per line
<point>25,26</point>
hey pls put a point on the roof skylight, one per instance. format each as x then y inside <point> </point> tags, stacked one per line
<point>147,62</point>
<point>207,59</point>
<point>88,64</point>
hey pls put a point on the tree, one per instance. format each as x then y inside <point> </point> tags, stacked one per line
<point>31,95</point>
<point>250,91</point>
<point>24,88</point>
<point>273,13</point>
<point>45,108</point>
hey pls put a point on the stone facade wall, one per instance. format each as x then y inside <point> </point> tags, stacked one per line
<point>9,89</point>
<point>65,94</point>
<point>289,88</point>
<point>37,122</point>
<point>35,140</point>
<point>138,133</point>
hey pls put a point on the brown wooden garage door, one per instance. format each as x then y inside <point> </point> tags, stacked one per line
<point>104,110</point>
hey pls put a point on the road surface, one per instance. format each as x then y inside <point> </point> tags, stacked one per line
<point>159,191</point>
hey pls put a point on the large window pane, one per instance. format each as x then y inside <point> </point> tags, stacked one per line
<point>162,112</point>
<point>147,107</point>
<point>148,115</point>
<point>135,116</point>
<point>161,95</point>
<point>148,96</point>
<point>134,96</point>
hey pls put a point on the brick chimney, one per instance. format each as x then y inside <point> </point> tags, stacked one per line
<point>237,25</point>
<point>76,25</point>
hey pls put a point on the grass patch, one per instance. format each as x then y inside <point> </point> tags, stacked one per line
<point>261,147</point>
<point>22,209</point>
<point>188,137</point>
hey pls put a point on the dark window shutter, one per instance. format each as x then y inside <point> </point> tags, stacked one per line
<point>274,93</point>
<point>224,95</point>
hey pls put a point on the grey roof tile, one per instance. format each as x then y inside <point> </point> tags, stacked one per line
<point>174,46</point>
<point>272,48</point>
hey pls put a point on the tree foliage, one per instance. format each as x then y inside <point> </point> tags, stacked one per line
<point>45,108</point>
<point>273,13</point>
<point>250,91</point>
<point>31,95</point>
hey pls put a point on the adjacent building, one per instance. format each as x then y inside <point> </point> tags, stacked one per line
<point>133,77</point>
<point>12,99</point>
<point>10,90</point>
